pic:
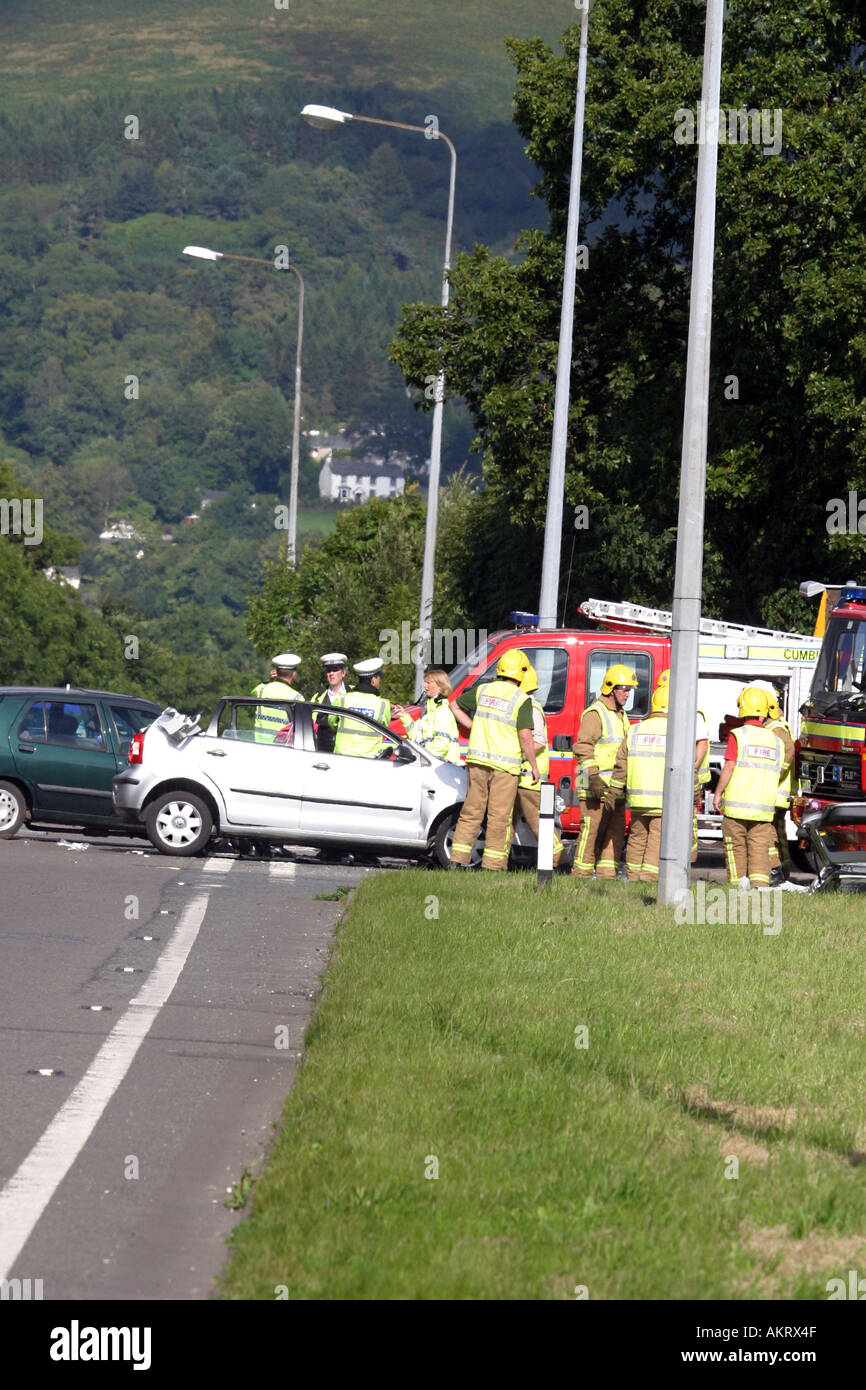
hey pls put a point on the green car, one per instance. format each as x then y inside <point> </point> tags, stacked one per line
<point>60,747</point>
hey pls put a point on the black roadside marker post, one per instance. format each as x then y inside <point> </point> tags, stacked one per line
<point>546,813</point>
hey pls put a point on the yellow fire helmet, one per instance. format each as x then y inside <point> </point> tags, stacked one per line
<point>773,708</point>
<point>660,699</point>
<point>753,703</point>
<point>530,680</point>
<point>513,665</point>
<point>618,675</point>
<point>665,677</point>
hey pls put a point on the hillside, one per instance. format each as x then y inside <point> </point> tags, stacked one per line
<point>132,380</point>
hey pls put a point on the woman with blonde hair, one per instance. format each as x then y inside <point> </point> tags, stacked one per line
<point>436,730</point>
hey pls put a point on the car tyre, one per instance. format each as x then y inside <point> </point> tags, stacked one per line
<point>441,846</point>
<point>13,809</point>
<point>178,822</point>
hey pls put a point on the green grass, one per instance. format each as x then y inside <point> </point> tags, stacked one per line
<point>49,50</point>
<point>562,1166</point>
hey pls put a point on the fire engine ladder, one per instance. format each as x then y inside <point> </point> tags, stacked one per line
<point>631,617</point>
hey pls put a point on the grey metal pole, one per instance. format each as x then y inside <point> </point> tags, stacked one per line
<point>292,538</point>
<point>425,616</point>
<point>553,525</point>
<point>676,840</point>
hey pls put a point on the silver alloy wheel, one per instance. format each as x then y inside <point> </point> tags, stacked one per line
<point>178,823</point>
<point>10,809</point>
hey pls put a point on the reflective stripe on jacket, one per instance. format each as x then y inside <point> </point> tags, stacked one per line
<point>645,779</point>
<point>493,738</point>
<point>435,730</point>
<point>353,737</point>
<point>271,718</point>
<point>542,758</point>
<point>615,726</point>
<point>751,793</point>
<point>783,796</point>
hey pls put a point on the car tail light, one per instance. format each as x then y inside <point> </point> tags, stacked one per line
<point>136,748</point>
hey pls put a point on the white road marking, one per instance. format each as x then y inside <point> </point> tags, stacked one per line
<point>30,1189</point>
<point>281,871</point>
<point>218,866</point>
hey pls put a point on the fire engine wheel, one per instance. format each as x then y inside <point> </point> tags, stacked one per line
<point>178,823</point>
<point>442,840</point>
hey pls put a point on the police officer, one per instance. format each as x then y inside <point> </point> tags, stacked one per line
<point>270,719</point>
<point>334,666</point>
<point>498,716</point>
<point>749,785</point>
<point>603,726</point>
<point>352,737</point>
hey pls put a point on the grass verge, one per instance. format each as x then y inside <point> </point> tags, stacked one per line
<point>611,1101</point>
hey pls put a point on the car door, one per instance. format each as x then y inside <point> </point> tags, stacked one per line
<point>65,752</point>
<point>259,781</point>
<point>372,794</point>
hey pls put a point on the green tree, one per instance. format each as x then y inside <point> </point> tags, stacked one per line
<point>787,426</point>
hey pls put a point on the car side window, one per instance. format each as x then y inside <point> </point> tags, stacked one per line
<point>267,723</point>
<point>32,726</point>
<point>128,722</point>
<point>354,738</point>
<point>74,724</point>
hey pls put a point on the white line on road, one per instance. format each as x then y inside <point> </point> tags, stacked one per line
<point>281,871</point>
<point>218,866</point>
<point>30,1189</point>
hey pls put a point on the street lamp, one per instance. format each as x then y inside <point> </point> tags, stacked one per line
<point>329,118</point>
<point>204,253</point>
<point>549,598</point>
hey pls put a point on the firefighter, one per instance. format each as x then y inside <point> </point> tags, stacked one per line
<point>603,726</point>
<point>436,729</point>
<point>352,737</point>
<point>270,719</point>
<point>499,718</point>
<point>528,801</point>
<point>780,857</point>
<point>749,786</point>
<point>644,786</point>
<point>334,666</point>
<point>703,773</point>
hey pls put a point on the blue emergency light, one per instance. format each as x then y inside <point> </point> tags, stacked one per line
<point>855,594</point>
<point>523,619</point>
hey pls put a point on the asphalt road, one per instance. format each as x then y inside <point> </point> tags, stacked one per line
<point>115,1166</point>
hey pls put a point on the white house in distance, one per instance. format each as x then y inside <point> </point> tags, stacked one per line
<point>357,480</point>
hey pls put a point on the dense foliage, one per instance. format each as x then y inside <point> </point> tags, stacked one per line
<point>787,427</point>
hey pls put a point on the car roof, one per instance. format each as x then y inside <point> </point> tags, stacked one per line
<point>67,690</point>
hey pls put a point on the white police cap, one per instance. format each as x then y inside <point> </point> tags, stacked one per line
<point>286,661</point>
<point>333,660</point>
<point>369,668</point>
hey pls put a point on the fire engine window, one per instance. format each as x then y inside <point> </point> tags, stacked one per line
<point>598,662</point>
<point>551,668</point>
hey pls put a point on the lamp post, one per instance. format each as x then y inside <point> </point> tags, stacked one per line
<point>686,616</point>
<point>204,253</point>
<point>547,603</point>
<point>329,118</point>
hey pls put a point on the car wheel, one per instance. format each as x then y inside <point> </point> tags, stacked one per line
<point>803,858</point>
<point>441,846</point>
<point>178,823</point>
<point>13,809</point>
